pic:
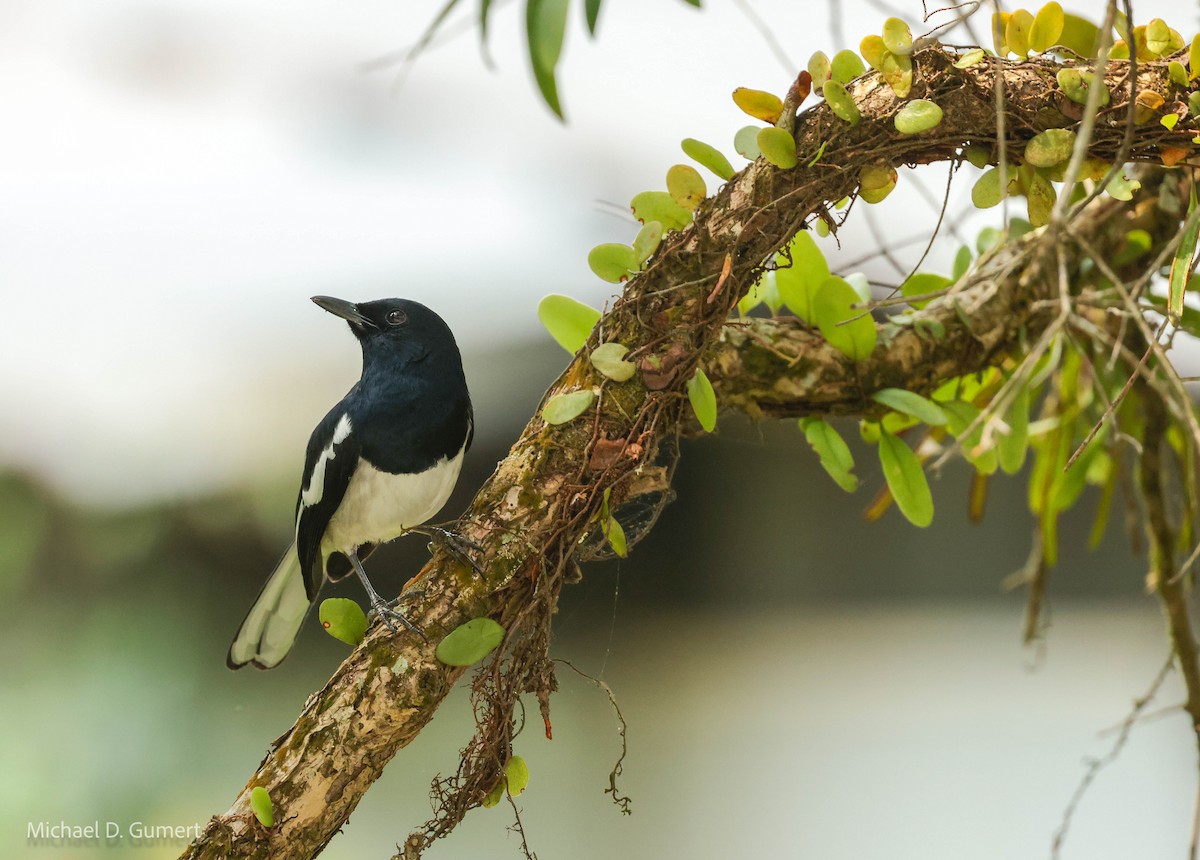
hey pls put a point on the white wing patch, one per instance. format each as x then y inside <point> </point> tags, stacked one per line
<point>316,482</point>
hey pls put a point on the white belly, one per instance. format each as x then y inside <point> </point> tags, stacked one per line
<point>379,506</point>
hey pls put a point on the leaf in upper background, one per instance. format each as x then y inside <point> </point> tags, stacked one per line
<point>911,403</point>
<point>545,26</point>
<point>591,9</point>
<point>568,321</point>
<point>906,479</point>
<point>799,282</point>
<point>833,451</point>
<point>1047,27</point>
<point>703,399</point>
<point>833,307</point>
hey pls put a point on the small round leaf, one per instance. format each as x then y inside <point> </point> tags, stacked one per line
<point>746,142</point>
<point>609,359</point>
<point>707,156</point>
<point>686,186</point>
<point>897,38</point>
<point>343,619</point>
<point>661,207</point>
<point>873,51</point>
<point>469,643</point>
<point>1076,84</point>
<point>846,66</point>
<point>970,58</point>
<point>568,321</point>
<point>562,408</point>
<point>703,399</point>
<point>758,104</point>
<point>262,807</point>
<point>516,775</point>
<point>647,241</point>
<point>778,146</point>
<point>1047,27</point>
<point>876,182</point>
<point>819,67</point>
<point>612,261</point>
<point>917,116</point>
<point>841,102</point>
<point>1050,147</point>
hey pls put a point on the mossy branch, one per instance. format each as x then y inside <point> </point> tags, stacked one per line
<point>538,511</point>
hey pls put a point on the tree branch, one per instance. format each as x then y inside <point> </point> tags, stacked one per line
<point>539,510</point>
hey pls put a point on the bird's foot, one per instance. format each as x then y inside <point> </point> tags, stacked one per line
<point>460,547</point>
<point>382,610</point>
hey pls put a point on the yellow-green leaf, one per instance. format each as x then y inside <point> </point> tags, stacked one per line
<point>897,37</point>
<point>1000,33</point>
<point>841,102</point>
<point>262,807</point>
<point>661,207</point>
<point>833,306</point>
<point>873,50</point>
<point>911,403</point>
<point>1047,27</point>
<point>703,399</point>
<point>609,359</point>
<point>516,775</point>
<point>707,156</point>
<point>611,261</point>
<point>917,116</point>
<point>469,643</point>
<point>906,479</point>
<point>1077,84</point>
<point>615,535</point>
<point>758,104</point>
<point>833,451</point>
<point>846,66</point>
<point>819,68</point>
<point>799,282</point>
<point>1040,197</point>
<point>970,58</point>
<point>924,283</point>
<point>897,71</point>
<point>647,241</point>
<point>1050,147</point>
<point>1194,58</point>
<point>1181,267</point>
<point>778,146</point>
<point>568,321</point>
<point>494,796</point>
<point>1158,37</point>
<point>1017,32</point>
<point>1177,73</point>
<point>1169,120</point>
<point>746,142</point>
<point>876,182</point>
<point>343,619</point>
<point>562,408</point>
<point>1013,444</point>
<point>686,186</point>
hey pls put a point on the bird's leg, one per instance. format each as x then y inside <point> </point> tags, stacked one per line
<point>379,606</point>
<point>459,546</point>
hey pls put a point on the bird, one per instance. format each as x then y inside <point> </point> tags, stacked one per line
<point>381,463</point>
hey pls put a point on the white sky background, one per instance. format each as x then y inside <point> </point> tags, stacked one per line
<point>177,177</point>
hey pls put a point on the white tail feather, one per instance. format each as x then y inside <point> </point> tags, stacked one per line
<point>273,622</point>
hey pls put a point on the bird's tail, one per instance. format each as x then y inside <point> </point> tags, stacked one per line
<point>273,622</point>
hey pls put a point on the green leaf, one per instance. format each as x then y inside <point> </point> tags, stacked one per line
<point>978,156</point>
<point>970,58</point>
<point>846,66</point>
<point>1040,197</point>
<point>591,10</point>
<point>835,454</point>
<point>647,241</point>
<point>962,415</point>
<point>708,156</point>
<point>1158,37</point>
<point>897,38</point>
<point>343,619</point>
<point>516,775</point>
<point>873,50</point>
<point>1181,267</point>
<point>987,191</point>
<point>962,262</point>
<point>703,399</point>
<point>758,104</point>
<point>686,186</point>
<point>1014,444</point>
<point>1121,187</point>
<point>612,261</point>
<point>1050,147</point>
<point>820,69</point>
<point>746,142</point>
<point>897,70</point>
<point>545,25</point>
<point>261,806</point>
<point>568,321</point>
<point>609,359</point>
<point>1077,85</point>
<point>799,282</point>
<point>1047,27</point>
<point>661,207</point>
<point>917,116</point>
<point>1194,58</point>
<point>495,795</point>
<point>911,403</point>
<point>876,182</point>
<point>1079,35</point>
<point>1177,73</point>
<point>924,283</point>
<point>1016,35</point>
<point>906,479</point>
<point>469,643</point>
<point>841,103</point>
<point>615,535</point>
<point>778,146</point>
<point>562,408</point>
<point>833,305</point>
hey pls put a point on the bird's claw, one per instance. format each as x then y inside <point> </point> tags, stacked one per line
<point>384,612</point>
<point>459,546</point>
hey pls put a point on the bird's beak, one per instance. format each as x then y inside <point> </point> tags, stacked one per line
<point>344,309</point>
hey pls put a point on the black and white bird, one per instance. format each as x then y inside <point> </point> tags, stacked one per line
<point>381,463</point>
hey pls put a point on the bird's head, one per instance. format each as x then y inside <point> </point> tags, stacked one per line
<point>400,327</point>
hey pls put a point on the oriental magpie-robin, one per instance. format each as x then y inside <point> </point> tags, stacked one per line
<point>381,463</point>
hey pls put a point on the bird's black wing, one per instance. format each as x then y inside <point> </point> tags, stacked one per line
<point>333,454</point>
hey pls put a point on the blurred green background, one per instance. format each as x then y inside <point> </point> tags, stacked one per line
<point>180,176</point>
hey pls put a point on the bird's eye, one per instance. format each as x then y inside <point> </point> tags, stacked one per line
<point>396,317</point>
